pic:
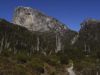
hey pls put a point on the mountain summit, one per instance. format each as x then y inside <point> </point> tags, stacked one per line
<point>37,21</point>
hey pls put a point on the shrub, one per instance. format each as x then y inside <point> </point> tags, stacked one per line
<point>54,60</point>
<point>64,59</point>
<point>37,64</point>
<point>53,73</point>
<point>22,58</point>
<point>6,53</point>
<point>20,71</point>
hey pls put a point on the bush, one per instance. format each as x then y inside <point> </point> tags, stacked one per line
<point>54,60</point>
<point>64,59</point>
<point>6,53</point>
<point>20,71</point>
<point>53,73</point>
<point>22,58</point>
<point>37,64</point>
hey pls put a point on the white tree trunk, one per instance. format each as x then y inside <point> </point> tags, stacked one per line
<point>2,43</point>
<point>97,73</point>
<point>38,42</point>
<point>58,43</point>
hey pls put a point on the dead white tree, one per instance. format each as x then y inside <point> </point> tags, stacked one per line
<point>38,43</point>
<point>58,43</point>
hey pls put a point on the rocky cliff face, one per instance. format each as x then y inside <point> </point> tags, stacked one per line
<point>37,21</point>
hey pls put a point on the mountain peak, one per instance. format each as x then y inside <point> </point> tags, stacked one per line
<point>37,21</point>
<point>27,9</point>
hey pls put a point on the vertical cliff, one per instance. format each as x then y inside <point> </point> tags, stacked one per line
<point>37,21</point>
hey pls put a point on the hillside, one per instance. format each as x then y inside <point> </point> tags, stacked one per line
<point>88,37</point>
<point>39,44</point>
<point>35,20</point>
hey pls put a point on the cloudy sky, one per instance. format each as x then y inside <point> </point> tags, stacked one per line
<point>70,12</point>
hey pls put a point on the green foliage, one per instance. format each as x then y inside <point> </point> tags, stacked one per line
<point>20,71</point>
<point>22,58</point>
<point>22,41</point>
<point>16,38</point>
<point>64,59</point>
<point>53,73</point>
<point>53,60</point>
<point>54,63</point>
<point>37,64</point>
<point>6,53</point>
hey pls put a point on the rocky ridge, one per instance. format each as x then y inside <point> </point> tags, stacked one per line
<point>37,21</point>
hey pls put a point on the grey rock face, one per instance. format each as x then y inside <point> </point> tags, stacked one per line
<point>90,21</point>
<point>37,21</point>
